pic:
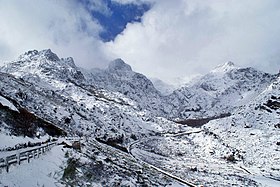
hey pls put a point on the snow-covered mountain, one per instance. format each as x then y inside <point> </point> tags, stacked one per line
<point>119,77</point>
<point>254,131</point>
<point>44,65</point>
<point>219,92</point>
<point>121,108</point>
<point>57,91</point>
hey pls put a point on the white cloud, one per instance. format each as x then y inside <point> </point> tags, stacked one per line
<point>178,38</point>
<point>64,26</point>
<point>187,37</point>
<point>99,6</point>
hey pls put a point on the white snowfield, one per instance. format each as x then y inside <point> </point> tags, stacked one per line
<point>7,103</point>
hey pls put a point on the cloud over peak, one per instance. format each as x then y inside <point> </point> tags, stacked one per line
<point>64,26</point>
<point>187,37</point>
<point>179,38</point>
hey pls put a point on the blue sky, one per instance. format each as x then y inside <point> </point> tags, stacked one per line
<point>119,15</point>
<point>172,40</point>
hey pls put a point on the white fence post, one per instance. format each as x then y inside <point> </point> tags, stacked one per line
<point>7,164</point>
<point>28,159</point>
<point>18,157</point>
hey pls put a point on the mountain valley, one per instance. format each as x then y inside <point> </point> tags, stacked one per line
<point>220,130</point>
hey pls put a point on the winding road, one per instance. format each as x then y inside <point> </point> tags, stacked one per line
<point>266,180</point>
<point>182,181</point>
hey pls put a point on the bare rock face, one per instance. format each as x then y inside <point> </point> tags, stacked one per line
<point>76,145</point>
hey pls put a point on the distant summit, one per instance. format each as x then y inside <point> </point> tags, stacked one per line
<point>49,55</point>
<point>225,67</point>
<point>44,64</point>
<point>119,65</point>
<point>35,55</point>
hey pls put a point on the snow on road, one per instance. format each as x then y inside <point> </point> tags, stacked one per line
<point>43,171</point>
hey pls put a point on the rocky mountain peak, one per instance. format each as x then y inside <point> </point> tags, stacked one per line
<point>49,55</point>
<point>29,55</point>
<point>119,65</point>
<point>44,57</point>
<point>226,67</point>
<point>44,64</point>
<point>229,63</point>
<point>35,55</point>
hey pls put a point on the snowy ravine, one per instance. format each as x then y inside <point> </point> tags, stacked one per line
<point>127,128</point>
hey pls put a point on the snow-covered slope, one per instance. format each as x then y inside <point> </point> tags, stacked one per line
<point>119,77</point>
<point>254,131</point>
<point>5,102</point>
<point>221,91</point>
<point>57,91</point>
<point>241,150</point>
<point>48,88</point>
